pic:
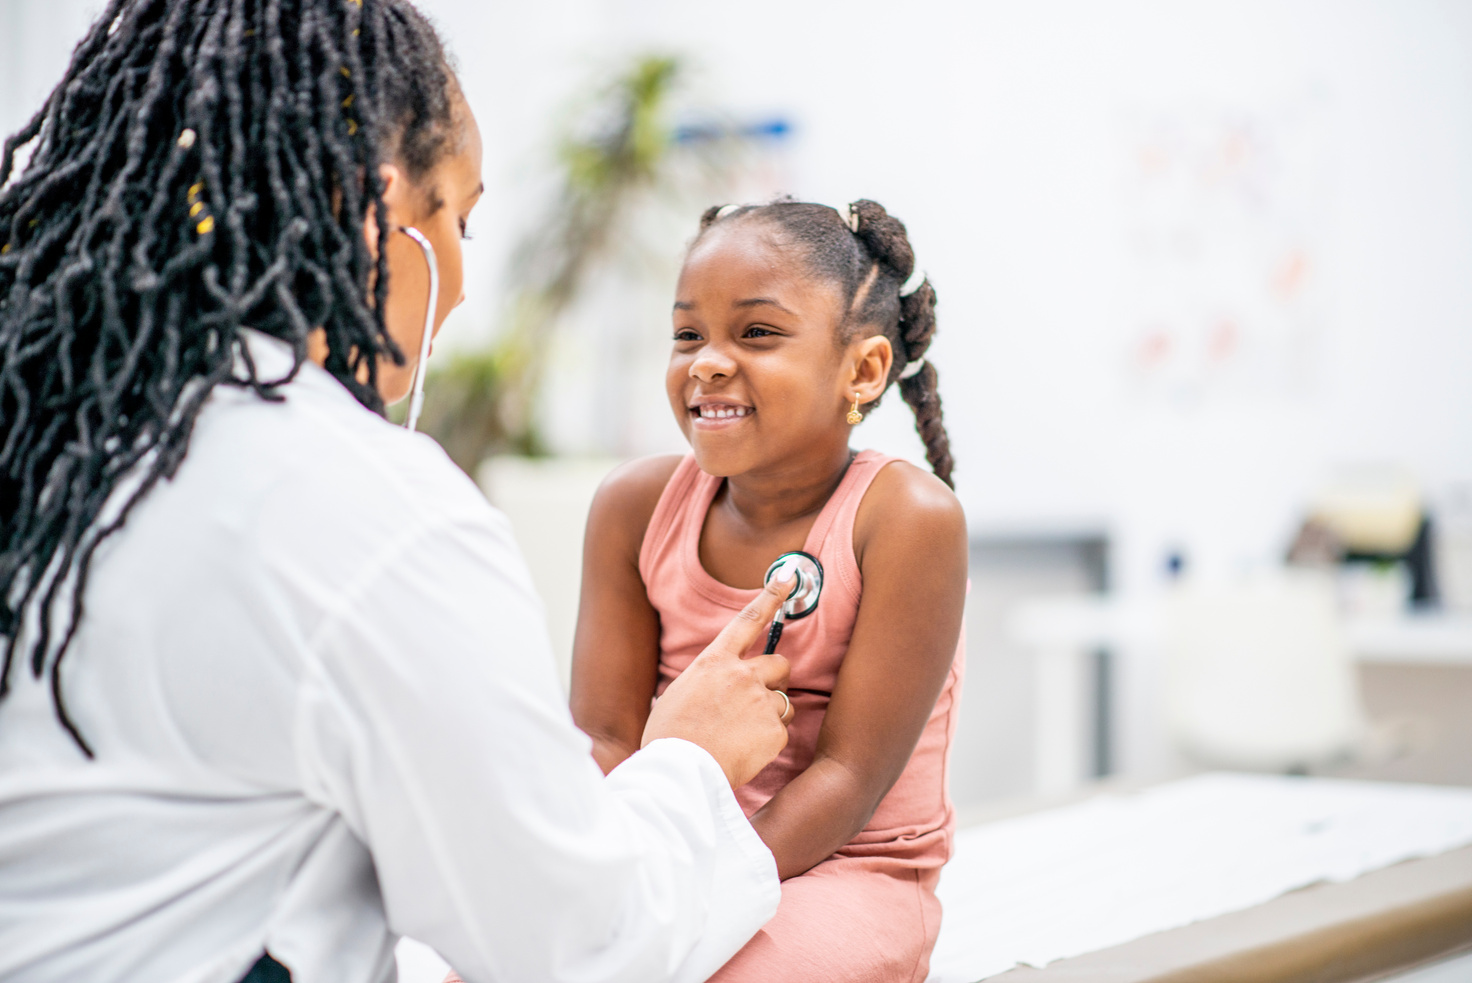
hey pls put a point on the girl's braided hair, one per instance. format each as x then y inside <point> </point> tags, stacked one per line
<point>203,165</point>
<point>870,264</point>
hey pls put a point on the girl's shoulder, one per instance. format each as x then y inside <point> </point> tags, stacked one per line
<point>907,507</point>
<point>626,500</point>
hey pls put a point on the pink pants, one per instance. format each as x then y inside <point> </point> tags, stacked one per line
<point>845,922</point>
<point>842,922</point>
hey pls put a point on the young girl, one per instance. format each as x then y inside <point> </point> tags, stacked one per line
<point>791,320</point>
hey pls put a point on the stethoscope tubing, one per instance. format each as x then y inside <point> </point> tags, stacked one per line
<point>416,392</point>
<point>774,634</point>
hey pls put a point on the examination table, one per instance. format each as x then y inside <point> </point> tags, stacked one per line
<point>1218,878</point>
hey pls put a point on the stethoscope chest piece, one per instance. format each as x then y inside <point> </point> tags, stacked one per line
<point>809,573</point>
<point>803,601</point>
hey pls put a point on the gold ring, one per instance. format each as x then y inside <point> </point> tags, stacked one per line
<point>786,705</point>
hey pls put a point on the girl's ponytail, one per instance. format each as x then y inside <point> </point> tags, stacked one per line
<point>885,239</point>
<point>921,389</point>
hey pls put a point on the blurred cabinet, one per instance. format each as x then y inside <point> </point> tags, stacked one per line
<point>1414,674</point>
<point>1007,737</point>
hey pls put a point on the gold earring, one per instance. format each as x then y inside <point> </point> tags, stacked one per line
<point>854,416</point>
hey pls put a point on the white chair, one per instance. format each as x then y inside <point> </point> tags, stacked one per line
<point>1258,675</point>
<point>547,501</point>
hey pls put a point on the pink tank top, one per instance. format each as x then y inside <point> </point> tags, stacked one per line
<point>913,825</point>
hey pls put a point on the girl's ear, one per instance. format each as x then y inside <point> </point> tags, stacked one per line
<point>869,363</point>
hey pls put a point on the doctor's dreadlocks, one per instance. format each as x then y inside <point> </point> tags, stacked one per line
<point>868,254</point>
<point>203,166</point>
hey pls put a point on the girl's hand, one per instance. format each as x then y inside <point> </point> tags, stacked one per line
<point>727,704</point>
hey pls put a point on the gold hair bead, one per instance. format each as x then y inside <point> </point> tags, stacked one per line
<point>196,208</point>
<point>4,249</point>
<point>854,416</point>
<point>206,225</point>
<point>352,127</point>
<point>347,103</point>
<point>345,73</point>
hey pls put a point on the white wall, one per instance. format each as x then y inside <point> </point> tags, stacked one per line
<point>36,41</point>
<point>1004,134</point>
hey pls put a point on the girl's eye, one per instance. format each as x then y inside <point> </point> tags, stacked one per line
<point>686,334</point>
<point>759,332</point>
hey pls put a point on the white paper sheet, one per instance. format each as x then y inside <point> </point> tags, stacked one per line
<point>1054,884</point>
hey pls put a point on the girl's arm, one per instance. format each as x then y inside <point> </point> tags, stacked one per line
<point>910,541</point>
<point>615,661</point>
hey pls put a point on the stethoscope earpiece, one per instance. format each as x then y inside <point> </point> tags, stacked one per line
<point>803,601</point>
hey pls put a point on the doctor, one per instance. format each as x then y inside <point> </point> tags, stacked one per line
<point>276,687</point>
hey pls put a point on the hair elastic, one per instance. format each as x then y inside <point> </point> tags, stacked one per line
<point>912,370</point>
<point>849,217</point>
<point>916,281</point>
<point>726,210</point>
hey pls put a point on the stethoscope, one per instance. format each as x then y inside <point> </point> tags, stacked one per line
<point>803,601</point>
<point>416,392</point>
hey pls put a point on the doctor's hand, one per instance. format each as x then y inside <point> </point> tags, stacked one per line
<point>727,704</point>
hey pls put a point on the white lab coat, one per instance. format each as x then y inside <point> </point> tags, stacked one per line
<point>325,714</point>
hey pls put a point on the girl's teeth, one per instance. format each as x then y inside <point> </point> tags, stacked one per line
<point>722,412</point>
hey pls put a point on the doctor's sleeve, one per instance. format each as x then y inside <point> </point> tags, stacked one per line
<point>431,719</point>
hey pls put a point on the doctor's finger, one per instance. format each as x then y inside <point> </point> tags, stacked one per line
<point>772,670</point>
<point>749,624</point>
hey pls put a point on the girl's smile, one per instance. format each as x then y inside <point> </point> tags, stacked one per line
<point>714,413</point>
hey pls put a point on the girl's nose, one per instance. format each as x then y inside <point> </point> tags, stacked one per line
<point>711,364</point>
